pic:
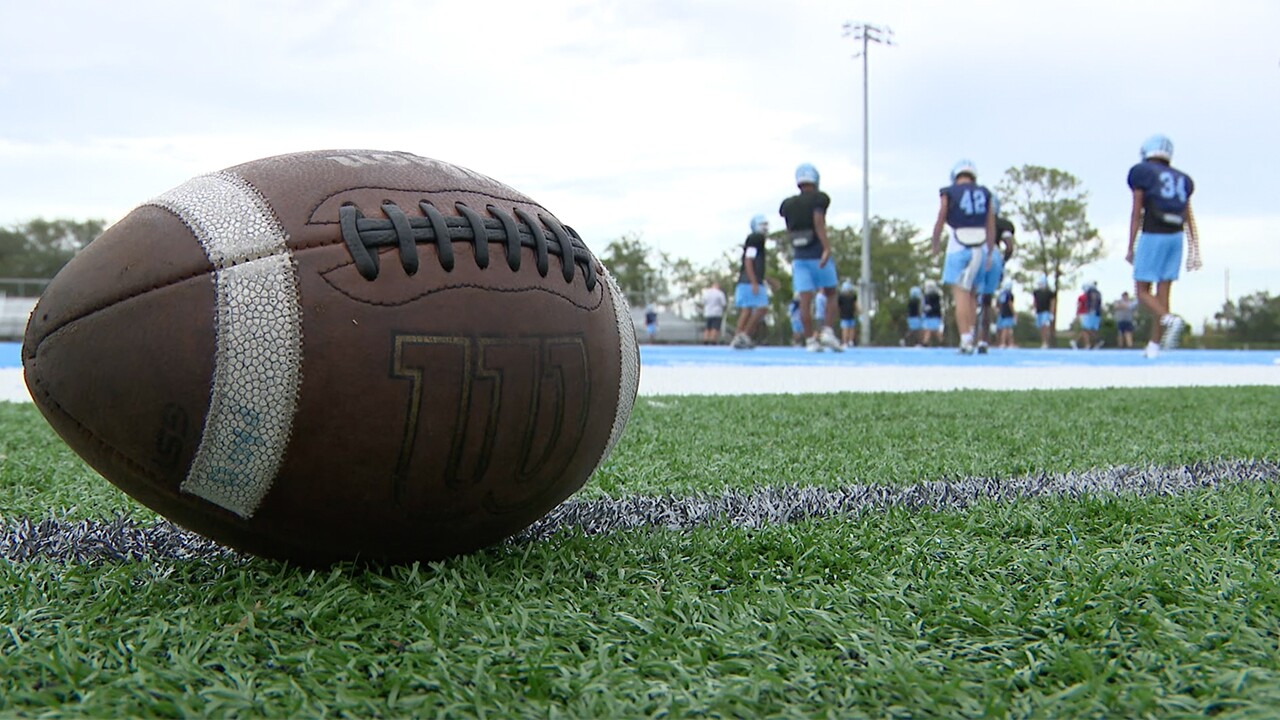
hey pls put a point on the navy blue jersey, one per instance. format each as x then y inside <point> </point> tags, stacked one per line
<point>913,307</point>
<point>1165,193</point>
<point>933,305</point>
<point>1093,301</point>
<point>967,204</point>
<point>798,211</point>
<point>1043,299</point>
<point>1005,302</point>
<point>752,252</point>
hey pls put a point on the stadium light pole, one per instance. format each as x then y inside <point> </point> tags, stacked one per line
<point>868,34</point>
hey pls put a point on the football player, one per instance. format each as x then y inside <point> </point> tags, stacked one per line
<point>915,317</point>
<point>967,209</point>
<point>988,283</point>
<point>750,295</point>
<point>1006,318</point>
<point>932,321</point>
<point>813,269</point>
<point>1045,301</point>
<point>1160,215</point>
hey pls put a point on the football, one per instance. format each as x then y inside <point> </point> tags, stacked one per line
<point>338,355</point>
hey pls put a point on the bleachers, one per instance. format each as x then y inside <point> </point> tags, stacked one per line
<point>14,312</point>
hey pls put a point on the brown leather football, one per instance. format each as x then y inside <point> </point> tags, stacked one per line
<point>338,355</point>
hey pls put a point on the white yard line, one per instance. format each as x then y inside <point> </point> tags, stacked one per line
<point>12,388</point>
<point>738,380</point>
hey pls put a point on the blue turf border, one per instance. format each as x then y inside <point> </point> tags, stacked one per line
<point>701,355</point>
<point>10,354</point>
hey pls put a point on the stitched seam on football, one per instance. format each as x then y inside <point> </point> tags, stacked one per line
<point>457,286</point>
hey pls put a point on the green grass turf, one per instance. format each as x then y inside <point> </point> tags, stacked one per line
<point>1119,607</point>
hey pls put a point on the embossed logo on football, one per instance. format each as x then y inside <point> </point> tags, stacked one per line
<point>339,354</point>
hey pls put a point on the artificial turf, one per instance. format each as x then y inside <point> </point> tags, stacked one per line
<point>1102,606</point>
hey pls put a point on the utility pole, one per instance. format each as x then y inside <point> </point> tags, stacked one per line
<point>867,33</point>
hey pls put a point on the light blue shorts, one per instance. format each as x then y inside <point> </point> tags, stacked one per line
<point>961,267</point>
<point>797,325</point>
<point>806,276</point>
<point>848,324</point>
<point>744,298</point>
<point>1005,323</point>
<point>988,282</point>
<point>914,323</point>
<point>1044,319</point>
<point>1090,321</point>
<point>933,324</point>
<point>1157,257</point>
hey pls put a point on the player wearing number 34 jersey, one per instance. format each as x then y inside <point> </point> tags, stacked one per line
<point>1161,212</point>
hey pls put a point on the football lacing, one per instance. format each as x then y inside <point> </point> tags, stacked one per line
<point>364,236</point>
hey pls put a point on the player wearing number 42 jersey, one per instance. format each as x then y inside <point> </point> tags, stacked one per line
<point>967,208</point>
<point>1160,215</point>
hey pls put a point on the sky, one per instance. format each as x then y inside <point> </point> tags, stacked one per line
<point>674,120</point>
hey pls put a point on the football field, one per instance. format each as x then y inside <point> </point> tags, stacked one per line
<point>879,533</point>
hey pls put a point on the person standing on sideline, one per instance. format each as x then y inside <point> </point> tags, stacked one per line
<point>1045,302</point>
<point>915,317</point>
<point>848,300</point>
<point>651,321</point>
<point>714,302</point>
<point>1161,212</point>
<point>1005,317</point>
<point>932,322</point>
<point>813,270</point>
<point>750,295</point>
<point>967,209</point>
<point>1122,311</point>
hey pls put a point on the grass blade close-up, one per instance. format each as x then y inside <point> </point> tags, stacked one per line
<point>963,554</point>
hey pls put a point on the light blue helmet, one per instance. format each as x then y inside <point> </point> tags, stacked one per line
<point>1042,281</point>
<point>964,167</point>
<point>915,291</point>
<point>1157,146</point>
<point>759,224</point>
<point>806,173</point>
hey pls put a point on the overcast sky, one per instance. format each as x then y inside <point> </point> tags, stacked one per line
<point>677,120</point>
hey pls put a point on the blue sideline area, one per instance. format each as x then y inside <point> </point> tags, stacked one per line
<point>694,355</point>
<point>689,355</point>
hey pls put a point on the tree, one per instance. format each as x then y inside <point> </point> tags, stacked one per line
<point>627,258</point>
<point>1253,318</point>
<point>1051,212</point>
<point>41,247</point>
<point>900,259</point>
